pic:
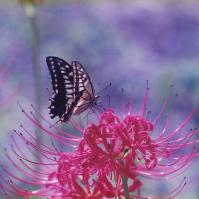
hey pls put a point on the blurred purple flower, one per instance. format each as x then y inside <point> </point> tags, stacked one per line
<point>110,154</point>
<point>168,31</point>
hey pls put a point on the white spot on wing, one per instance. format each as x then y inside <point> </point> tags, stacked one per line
<point>69,90</point>
<point>67,81</point>
<point>67,86</point>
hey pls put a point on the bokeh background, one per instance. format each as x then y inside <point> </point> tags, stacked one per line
<point>122,42</point>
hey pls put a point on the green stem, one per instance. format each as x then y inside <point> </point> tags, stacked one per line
<point>36,62</point>
<point>125,186</point>
<point>36,68</point>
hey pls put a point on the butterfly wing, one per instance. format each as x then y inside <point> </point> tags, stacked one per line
<point>85,86</point>
<point>62,83</point>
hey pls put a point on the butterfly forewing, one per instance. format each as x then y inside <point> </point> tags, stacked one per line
<point>62,82</point>
<point>83,78</point>
<point>86,87</point>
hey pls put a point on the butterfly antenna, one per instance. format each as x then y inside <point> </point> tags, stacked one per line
<point>104,88</point>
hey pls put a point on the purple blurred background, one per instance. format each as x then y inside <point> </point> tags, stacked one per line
<point>122,43</point>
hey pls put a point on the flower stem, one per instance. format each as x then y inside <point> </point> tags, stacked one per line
<point>125,186</point>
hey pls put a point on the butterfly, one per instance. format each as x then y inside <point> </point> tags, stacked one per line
<point>73,89</point>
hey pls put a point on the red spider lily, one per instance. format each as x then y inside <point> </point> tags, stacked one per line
<point>110,154</point>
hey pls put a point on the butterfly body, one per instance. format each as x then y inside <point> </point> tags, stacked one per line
<point>73,90</point>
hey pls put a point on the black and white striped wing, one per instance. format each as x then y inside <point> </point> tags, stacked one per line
<point>63,86</point>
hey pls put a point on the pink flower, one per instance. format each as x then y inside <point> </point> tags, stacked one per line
<point>110,160</point>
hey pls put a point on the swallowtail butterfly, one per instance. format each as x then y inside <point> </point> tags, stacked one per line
<point>73,90</point>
